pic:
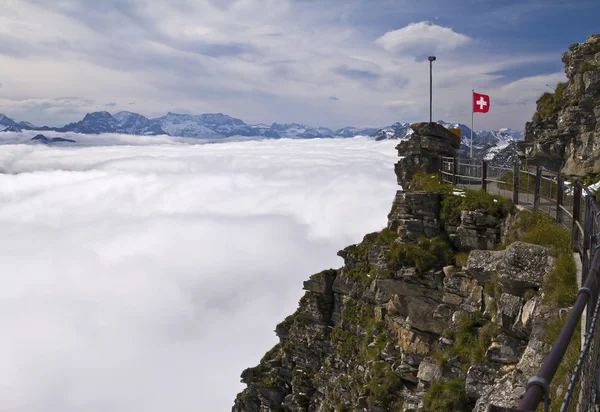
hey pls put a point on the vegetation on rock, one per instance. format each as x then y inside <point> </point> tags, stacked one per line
<point>447,396</point>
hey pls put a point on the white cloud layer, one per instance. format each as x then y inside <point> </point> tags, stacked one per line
<point>146,278</point>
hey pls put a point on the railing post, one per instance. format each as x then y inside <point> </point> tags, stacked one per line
<point>484,175</point>
<point>455,172</point>
<point>560,188</point>
<point>538,188</point>
<point>576,214</point>
<point>516,179</point>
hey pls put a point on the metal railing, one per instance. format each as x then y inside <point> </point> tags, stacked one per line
<point>573,206</point>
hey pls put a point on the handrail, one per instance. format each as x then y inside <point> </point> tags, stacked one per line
<point>584,225</point>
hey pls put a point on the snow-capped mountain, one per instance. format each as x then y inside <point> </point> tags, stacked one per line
<point>486,143</point>
<point>502,137</point>
<point>94,123</point>
<point>302,131</point>
<point>7,122</point>
<point>16,129</point>
<point>134,123</point>
<point>354,131</point>
<point>400,131</point>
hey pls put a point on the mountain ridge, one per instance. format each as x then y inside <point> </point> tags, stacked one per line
<point>219,125</point>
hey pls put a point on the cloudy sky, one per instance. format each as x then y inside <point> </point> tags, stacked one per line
<point>148,277</point>
<point>325,63</point>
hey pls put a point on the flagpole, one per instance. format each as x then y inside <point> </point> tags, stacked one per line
<point>472,116</point>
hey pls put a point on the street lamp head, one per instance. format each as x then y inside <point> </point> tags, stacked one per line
<point>431,58</point>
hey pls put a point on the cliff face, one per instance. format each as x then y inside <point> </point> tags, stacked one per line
<point>427,314</point>
<point>565,131</point>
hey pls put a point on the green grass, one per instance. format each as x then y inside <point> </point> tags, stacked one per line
<point>560,285</point>
<point>362,271</point>
<point>568,362</point>
<point>429,183</point>
<point>494,205</point>
<point>323,274</point>
<point>460,259</point>
<point>588,67</point>
<point>550,103</point>
<point>447,397</point>
<point>548,189</point>
<point>424,254</point>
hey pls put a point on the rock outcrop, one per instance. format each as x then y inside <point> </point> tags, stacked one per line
<point>425,314</point>
<point>400,321</point>
<point>428,143</point>
<point>565,131</point>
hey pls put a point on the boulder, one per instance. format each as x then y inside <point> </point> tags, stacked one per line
<point>505,349</point>
<point>522,266</point>
<point>436,130</point>
<point>509,309</point>
<point>429,370</point>
<point>479,378</point>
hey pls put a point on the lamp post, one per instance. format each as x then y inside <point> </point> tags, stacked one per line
<point>431,60</point>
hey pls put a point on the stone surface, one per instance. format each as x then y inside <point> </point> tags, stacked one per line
<point>479,378</point>
<point>416,214</point>
<point>509,309</point>
<point>565,138</point>
<point>522,266</point>
<point>477,230</point>
<point>436,130</point>
<point>505,349</point>
<point>428,370</point>
<point>423,151</point>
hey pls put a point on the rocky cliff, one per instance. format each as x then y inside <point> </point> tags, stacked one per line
<point>445,309</point>
<point>565,130</point>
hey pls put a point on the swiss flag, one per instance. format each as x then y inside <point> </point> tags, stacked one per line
<point>481,103</point>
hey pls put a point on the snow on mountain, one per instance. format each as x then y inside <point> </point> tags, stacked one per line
<point>184,125</point>
<point>93,123</point>
<point>355,131</point>
<point>7,121</point>
<point>400,131</point>
<point>502,136</point>
<point>15,129</point>
<point>299,130</point>
<point>134,123</point>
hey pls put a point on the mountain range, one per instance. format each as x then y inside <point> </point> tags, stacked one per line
<point>212,125</point>
<point>219,125</point>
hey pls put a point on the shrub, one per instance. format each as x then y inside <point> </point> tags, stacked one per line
<point>447,396</point>
<point>588,67</point>
<point>560,285</point>
<point>428,182</point>
<point>569,360</point>
<point>460,259</point>
<point>382,385</point>
<point>550,103</point>
<point>425,254</point>
<point>494,205</point>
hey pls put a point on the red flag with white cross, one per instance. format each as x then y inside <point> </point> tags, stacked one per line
<point>481,103</point>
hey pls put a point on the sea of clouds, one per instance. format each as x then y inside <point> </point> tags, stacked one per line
<point>144,274</point>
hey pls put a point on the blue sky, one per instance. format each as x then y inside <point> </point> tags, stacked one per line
<point>324,63</point>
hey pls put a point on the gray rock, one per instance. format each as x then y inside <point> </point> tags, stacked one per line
<point>509,309</point>
<point>479,378</point>
<point>505,349</point>
<point>429,370</point>
<point>564,139</point>
<point>474,301</point>
<point>415,214</point>
<point>520,267</point>
<point>436,130</point>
